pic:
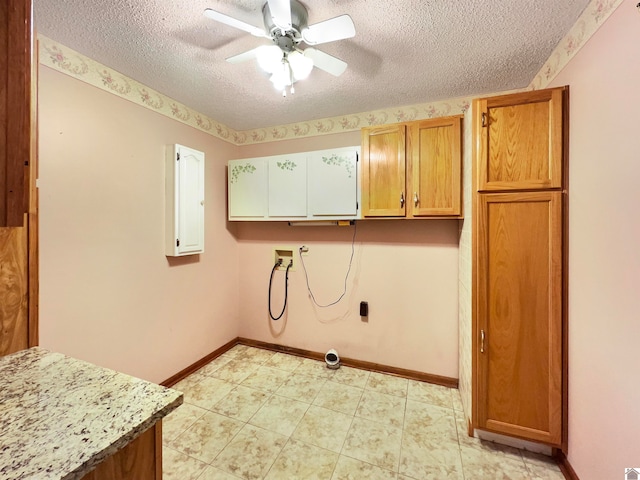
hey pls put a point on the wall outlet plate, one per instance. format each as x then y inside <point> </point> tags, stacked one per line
<point>287,256</point>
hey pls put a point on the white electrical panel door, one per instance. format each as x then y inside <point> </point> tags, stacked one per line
<point>288,186</point>
<point>247,188</point>
<point>184,201</point>
<point>333,182</point>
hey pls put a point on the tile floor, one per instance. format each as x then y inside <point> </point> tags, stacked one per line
<point>257,414</point>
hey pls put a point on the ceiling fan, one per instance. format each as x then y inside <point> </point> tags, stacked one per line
<point>285,24</point>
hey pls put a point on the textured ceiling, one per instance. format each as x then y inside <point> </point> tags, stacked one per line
<point>405,52</point>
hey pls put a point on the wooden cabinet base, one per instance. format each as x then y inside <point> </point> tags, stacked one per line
<point>140,460</point>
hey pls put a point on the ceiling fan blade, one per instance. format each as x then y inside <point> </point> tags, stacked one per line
<point>326,62</point>
<point>281,13</point>
<point>244,56</point>
<point>337,28</point>
<point>233,22</point>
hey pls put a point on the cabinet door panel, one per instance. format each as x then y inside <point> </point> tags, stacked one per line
<point>191,201</point>
<point>287,187</point>
<point>434,166</point>
<point>13,290</point>
<point>521,141</point>
<point>520,312</point>
<point>247,184</point>
<point>333,185</point>
<point>383,171</point>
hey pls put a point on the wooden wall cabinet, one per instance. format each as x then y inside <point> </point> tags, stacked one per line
<point>518,266</point>
<point>18,193</point>
<point>521,141</point>
<point>412,170</point>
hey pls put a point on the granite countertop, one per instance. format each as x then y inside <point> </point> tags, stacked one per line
<point>60,417</point>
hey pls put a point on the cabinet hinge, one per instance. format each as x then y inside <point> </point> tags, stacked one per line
<point>177,156</point>
<point>357,206</point>
<point>177,242</point>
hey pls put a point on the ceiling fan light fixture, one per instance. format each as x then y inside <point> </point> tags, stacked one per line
<point>301,66</point>
<point>269,58</point>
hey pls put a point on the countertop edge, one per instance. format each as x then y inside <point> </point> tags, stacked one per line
<point>123,441</point>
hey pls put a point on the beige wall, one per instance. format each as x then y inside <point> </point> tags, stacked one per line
<point>108,294</point>
<point>406,270</point>
<point>604,249</point>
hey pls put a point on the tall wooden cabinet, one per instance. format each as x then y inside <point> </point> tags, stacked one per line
<point>518,265</point>
<point>412,170</point>
<point>18,195</point>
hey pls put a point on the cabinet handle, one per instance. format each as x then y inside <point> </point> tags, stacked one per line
<point>416,200</point>
<point>484,119</point>
<point>401,199</point>
<point>481,341</point>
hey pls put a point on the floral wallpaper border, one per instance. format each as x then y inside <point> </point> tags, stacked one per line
<point>70,62</point>
<point>589,21</point>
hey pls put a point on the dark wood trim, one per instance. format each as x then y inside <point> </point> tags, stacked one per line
<point>32,217</point>
<point>15,110</point>
<point>185,372</point>
<point>350,362</point>
<point>565,467</point>
<point>158,449</point>
<point>565,275</point>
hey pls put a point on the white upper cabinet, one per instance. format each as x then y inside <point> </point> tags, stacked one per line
<point>320,185</point>
<point>184,198</point>
<point>287,186</point>
<point>332,182</point>
<point>247,189</point>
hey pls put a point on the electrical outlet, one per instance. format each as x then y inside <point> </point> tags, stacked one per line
<point>304,250</point>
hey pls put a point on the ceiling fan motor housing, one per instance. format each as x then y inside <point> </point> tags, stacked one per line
<point>292,37</point>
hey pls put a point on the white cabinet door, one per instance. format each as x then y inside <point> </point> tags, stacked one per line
<point>184,191</point>
<point>247,188</point>
<point>288,186</point>
<point>333,182</point>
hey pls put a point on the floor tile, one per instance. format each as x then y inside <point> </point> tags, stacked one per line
<point>492,464</point>
<point>426,457</point>
<point>339,397</point>
<point>303,388</point>
<point>429,393</point>
<point>373,443</point>
<point>282,361</point>
<point>179,420</point>
<point>178,466</point>
<point>314,368</point>
<point>323,428</point>
<point>352,469</point>
<point>203,391</point>
<point>541,473</point>
<point>457,400</point>
<point>351,376</point>
<point>254,355</point>
<point>241,403</point>
<point>235,371</point>
<point>212,473</point>
<point>280,415</point>
<point>383,383</point>
<point>539,460</point>
<point>214,365</point>
<point>381,407</point>
<point>299,460</point>
<point>251,453</point>
<point>207,436</point>
<point>308,421</point>
<point>266,379</point>
<point>430,422</point>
